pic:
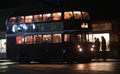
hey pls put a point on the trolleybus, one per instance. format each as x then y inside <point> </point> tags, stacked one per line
<point>59,36</point>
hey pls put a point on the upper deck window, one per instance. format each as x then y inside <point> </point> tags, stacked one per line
<point>46,17</point>
<point>68,15</point>
<point>38,18</point>
<point>56,16</point>
<point>28,19</point>
<point>77,15</point>
<point>86,15</point>
<point>12,20</point>
<point>21,19</point>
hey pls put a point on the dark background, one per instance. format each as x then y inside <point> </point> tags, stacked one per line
<point>99,9</point>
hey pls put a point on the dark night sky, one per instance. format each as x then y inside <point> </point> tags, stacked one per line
<point>107,9</point>
<point>99,9</point>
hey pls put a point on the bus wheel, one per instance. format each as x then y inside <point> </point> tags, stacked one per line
<point>24,60</point>
<point>70,60</point>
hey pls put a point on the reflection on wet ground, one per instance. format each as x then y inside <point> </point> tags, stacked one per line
<point>7,67</point>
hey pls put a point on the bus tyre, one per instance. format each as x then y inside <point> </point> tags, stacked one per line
<point>24,59</point>
<point>70,60</point>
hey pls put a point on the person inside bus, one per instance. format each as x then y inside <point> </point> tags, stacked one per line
<point>97,47</point>
<point>103,47</point>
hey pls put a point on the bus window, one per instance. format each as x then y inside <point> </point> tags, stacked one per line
<point>84,25</point>
<point>77,15</point>
<point>18,28</point>
<point>83,38</point>
<point>86,15</point>
<point>19,40</point>
<point>56,16</point>
<point>79,38</point>
<point>12,20</point>
<point>28,19</point>
<point>38,18</point>
<point>68,15</point>
<point>46,17</point>
<point>28,39</point>
<point>21,19</point>
<point>37,39</point>
<point>89,37</point>
<point>67,37</point>
<point>47,38</point>
<point>57,38</point>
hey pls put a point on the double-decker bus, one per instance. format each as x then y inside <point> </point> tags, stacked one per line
<point>59,36</point>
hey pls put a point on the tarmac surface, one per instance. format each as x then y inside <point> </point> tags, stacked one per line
<point>99,66</point>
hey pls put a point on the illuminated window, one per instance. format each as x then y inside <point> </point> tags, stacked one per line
<point>77,15</point>
<point>86,15</point>
<point>47,38</point>
<point>19,40</point>
<point>12,20</point>
<point>21,19</point>
<point>38,18</point>
<point>37,39</point>
<point>68,15</point>
<point>89,37</point>
<point>17,28</point>
<point>79,38</point>
<point>28,19</point>
<point>84,25</point>
<point>56,16</point>
<point>28,39</point>
<point>57,38</point>
<point>66,37</point>
<point>46,17</point>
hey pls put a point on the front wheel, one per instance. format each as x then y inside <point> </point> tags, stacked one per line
<point>69,57</point>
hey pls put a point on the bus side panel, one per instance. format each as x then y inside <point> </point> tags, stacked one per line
<point>37,52</point>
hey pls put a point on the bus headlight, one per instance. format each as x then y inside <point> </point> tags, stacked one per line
<point>92,47</point>
<point>78,46</point>
<point>80,50</point>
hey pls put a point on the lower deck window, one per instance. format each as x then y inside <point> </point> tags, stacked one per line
<point>28,39</point>
<point>19,39</point>
<point>66,37</point>
<point>47,39</point>
<point>37,39</point>
<point>57,38</point>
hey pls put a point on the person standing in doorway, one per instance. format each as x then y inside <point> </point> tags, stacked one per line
<point>97,47</point>
<point>103,47</point>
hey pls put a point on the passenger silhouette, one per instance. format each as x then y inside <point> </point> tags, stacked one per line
<point>97,47</point>
<point>103,47</point>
